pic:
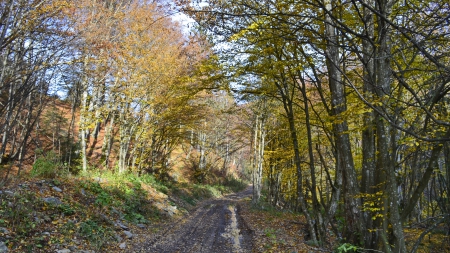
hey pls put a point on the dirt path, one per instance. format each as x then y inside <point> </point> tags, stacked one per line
<point>215,226</point>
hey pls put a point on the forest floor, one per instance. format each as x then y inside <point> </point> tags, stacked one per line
<point>93,215</point>
<point>96,213</point>
<point>78,215</point>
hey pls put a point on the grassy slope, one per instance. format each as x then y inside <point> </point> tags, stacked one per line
<point>89,209</point>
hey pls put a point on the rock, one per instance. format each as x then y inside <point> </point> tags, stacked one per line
<point>128,234</point>
<point>119,224</point>
<point>171,210</point>
<point>4,231</point>
<point>52,200</point>
<point>168,209</point>
<point>3,248</point>
<point>175,176</point>
<point>40,183</point>
<point>117,212</point>
<point>63,251</point>
<point>73,248</point>
<point>57,189</point>
<point>37,220</point>
<point>142,226</point>
<point>10,193</point>
<point>123,245</point>
<point>100,180</point>
<point>106,219</point>
<point>118,237</point>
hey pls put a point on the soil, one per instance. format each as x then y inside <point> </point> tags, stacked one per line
<point>215,226</point>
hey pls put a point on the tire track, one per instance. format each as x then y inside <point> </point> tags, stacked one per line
<point>214,227</point>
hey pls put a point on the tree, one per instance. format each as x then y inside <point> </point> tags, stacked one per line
<point>34,39</point>
<point>136,62</point>
<point>370,50</point>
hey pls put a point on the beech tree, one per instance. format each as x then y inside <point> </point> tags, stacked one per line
<point>136,62</point>
<point>370,58</point>
<point>34,38</point>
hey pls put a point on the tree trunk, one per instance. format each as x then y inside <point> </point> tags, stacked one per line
<point>368,132</point>
<point>317,207</point>
<point>71,130</point>
<point>83,117</point>
<point>259,146</point>
<point>354,223</point>
<point>108,140</point>
<point>125,135</point>
<point>385,141</point>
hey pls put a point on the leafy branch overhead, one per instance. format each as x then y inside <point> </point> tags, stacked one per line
<point>338,110</point>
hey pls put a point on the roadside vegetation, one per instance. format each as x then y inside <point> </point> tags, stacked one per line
<point>277,229</point>
<point>98,211</point>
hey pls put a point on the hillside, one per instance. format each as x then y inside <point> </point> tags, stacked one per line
<point>53,205</point>
<point>98,212</point>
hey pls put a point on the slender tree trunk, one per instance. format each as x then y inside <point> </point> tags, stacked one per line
<point>29,124</point>
<point>71,130</point>
<point>260,145</point>
<point>191,144</point>
<point>287,94</point>
<point>256,179</point>
<point>202,158</point>
<point>8,121</point>
<point>126,133</point>
<point>297,162</point>
<point>98,104</point>
<point>317,207</point>
<point>108,140</point>
<point>432,165</point>
<point>83,117</point>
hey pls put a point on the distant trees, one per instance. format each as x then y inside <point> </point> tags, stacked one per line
<point>135,60</point>
<point>130,77</point>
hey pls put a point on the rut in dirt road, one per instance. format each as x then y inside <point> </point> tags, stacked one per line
<point>214,227</point>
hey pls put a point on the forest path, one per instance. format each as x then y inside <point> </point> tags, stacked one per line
<point>216,226</point>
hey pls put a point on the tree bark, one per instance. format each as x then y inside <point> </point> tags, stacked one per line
<point>368,132</point>
<point>354,222</point>
<point>259,146</point>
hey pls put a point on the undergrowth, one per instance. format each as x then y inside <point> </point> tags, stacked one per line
<point>55,210</point>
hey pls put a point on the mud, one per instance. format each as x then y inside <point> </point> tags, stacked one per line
<point>216,226</point>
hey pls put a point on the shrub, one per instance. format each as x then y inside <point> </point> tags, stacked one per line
<point>47,165</point>
<point>103,199</point>
<point>347,247</point>
<point>234,184</point>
